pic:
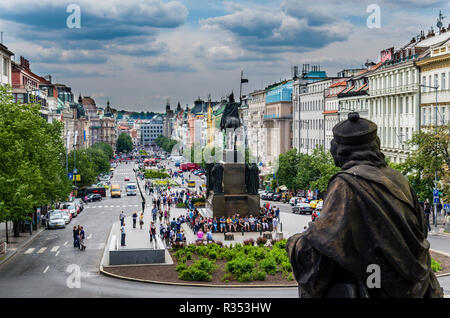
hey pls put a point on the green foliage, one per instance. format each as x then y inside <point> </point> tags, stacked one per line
<point>435,265</point>
<point>260,275</point>
<point>269,265</point>
<point>181,267</point>
<point>430,152</point>
<point>201,270</point>
<point>105,148</point>
<point>288,162</point>
<point>32,157</point>
<point>155,174</point>
<point>260,241</point>
<point>165,143</point>
<point>286,266</point>
<point>124,143</point>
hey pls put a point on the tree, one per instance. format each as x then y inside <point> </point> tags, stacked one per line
<point>165,143</point>
<point>430,153</point>
<point>124,143</point>
<point>287,168</point>
<point>105,148</point>
<point>31,160</point>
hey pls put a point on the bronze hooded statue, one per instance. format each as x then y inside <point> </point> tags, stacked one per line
<point>371,218</point>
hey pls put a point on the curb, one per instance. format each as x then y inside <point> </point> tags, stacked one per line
<point>191,285</point>
<point>21,247</point>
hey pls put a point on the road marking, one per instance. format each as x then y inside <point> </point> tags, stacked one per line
<point>42,250</point>
<point>65,243</point>
<point>57,253</point>
<point>46,269</point>
<point>30,250</point>
<point>89,236</point>
<point>55,248</point>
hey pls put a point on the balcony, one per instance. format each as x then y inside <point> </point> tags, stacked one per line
<point>269,117</point>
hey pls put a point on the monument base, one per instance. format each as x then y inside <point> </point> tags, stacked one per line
<point>230,204</point>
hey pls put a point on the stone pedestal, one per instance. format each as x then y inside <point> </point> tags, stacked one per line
<point>234,198</point>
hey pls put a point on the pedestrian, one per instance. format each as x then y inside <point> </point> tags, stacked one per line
<point>275,224</point>
<point>141,220</point>
<point>427,210</point>
<point>121,218</point>
<point>154,212</point>
<point>135,216</point>
<point>143,206</point>
<point>76,243</point>
<point>152,231</point>
<point>82,235</point>
<point>122,231</point>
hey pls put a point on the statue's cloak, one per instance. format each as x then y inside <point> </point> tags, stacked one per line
<point>370,216</point>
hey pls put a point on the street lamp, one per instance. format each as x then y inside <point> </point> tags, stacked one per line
<point>435,170</point>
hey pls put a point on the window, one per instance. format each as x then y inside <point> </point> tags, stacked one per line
<point>436,83</point>
<point>424,82</point>
<point>443,81</point>
<point>5,67</point>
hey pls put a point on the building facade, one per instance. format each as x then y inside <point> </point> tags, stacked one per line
<point>5,66</point>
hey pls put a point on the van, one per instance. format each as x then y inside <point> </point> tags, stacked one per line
<point>131,189</point>
<point>115,191</point>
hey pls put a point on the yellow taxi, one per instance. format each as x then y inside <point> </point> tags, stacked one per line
<point>314,203</point>
<point>191,184</point>
<point>115,191</point>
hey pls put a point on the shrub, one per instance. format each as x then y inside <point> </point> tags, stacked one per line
<point>181,267</point>
<point>245,277</point>
<point>269,265</point>
<point>194,274</point>
<point>435,265</point>
<point>250,242</point>
<point>273,241</point>
<point>177,245</point>
<point>205,265</point>
<point>290,277</point>
<point>286,266</point>
<point>260,275</point>
<point>213,255</point>
<point>182,259</point>
<point>280,244</point>
<point>226,277</point>
<point>261,241</point>
<point>240,266</point>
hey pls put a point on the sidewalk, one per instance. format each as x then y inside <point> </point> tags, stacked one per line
<point>16,244</point>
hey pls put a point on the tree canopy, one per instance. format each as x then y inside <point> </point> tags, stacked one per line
<point>32,153</point>
<point>124,143</point>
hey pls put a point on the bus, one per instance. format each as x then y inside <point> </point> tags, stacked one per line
<point>131,188</point>
<point>99,190</point>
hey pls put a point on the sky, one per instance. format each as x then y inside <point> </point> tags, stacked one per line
<point>139,53</point>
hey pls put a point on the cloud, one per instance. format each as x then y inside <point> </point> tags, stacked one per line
<point>284,30</point>
<point>165,66</point>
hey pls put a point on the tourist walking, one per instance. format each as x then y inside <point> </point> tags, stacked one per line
<point>121,218</point>
<point>152,232</point>
<point>135,216</point>
<point>141,220</point>
<point>122,231</point>
<point>76,242</point>
<point>82,235</point>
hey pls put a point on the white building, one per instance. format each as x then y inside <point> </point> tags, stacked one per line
<point>435,71</point>
<point>150,130</point>
<point>256,133</point>
<point>5,66</point>
<point>331,112</point>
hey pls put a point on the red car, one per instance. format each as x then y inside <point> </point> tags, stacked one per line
<point>126,179</point>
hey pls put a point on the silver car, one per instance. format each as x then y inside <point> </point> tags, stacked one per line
<point>56,220</point>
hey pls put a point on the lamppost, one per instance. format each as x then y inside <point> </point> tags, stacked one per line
<point>435,190</point>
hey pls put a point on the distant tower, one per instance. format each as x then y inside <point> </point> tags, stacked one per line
<point>80,99</point>
<point>178,107</point>
<point>167,106</point>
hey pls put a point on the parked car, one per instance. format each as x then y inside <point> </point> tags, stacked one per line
<point>269,196</point>
<point>302,208</point>
<point>292,200</point>
<point>56,220</point>
<point>66,214</point>
<point>276,197</point>
<point>94,197</point>
<point>80,203</point>
<point>72,208</point>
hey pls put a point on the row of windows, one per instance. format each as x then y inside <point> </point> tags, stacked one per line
<point>429,115</point>
<point>393,80</point>
<point>393,136</point>
<point>390,106</point>
<point>310,143</point>
<point>311,124</point>
<point>439,80</point>
<point>311,105</point>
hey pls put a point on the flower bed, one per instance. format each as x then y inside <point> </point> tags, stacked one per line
<point>241,263</point>
<point>155,174</point>
<point>164,182</point>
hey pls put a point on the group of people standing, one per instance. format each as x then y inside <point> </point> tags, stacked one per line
<point>78,237</point>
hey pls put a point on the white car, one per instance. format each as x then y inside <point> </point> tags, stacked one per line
<point>56,220</point>
<point>292,200</point>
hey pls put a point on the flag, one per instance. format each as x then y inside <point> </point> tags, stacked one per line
<point>84,135</point>
<point>244,80</point>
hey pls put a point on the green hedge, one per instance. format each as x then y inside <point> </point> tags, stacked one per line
<point>155,174</point>
<point>243,262</point>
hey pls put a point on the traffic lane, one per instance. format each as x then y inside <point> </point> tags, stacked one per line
<point>439,242</point>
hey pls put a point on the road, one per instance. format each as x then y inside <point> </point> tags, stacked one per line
<point>40,269</point>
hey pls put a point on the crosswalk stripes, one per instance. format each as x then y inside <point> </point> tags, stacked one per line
<point>42,250</point>
<point>30,250</point>
<point>54,249</point>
